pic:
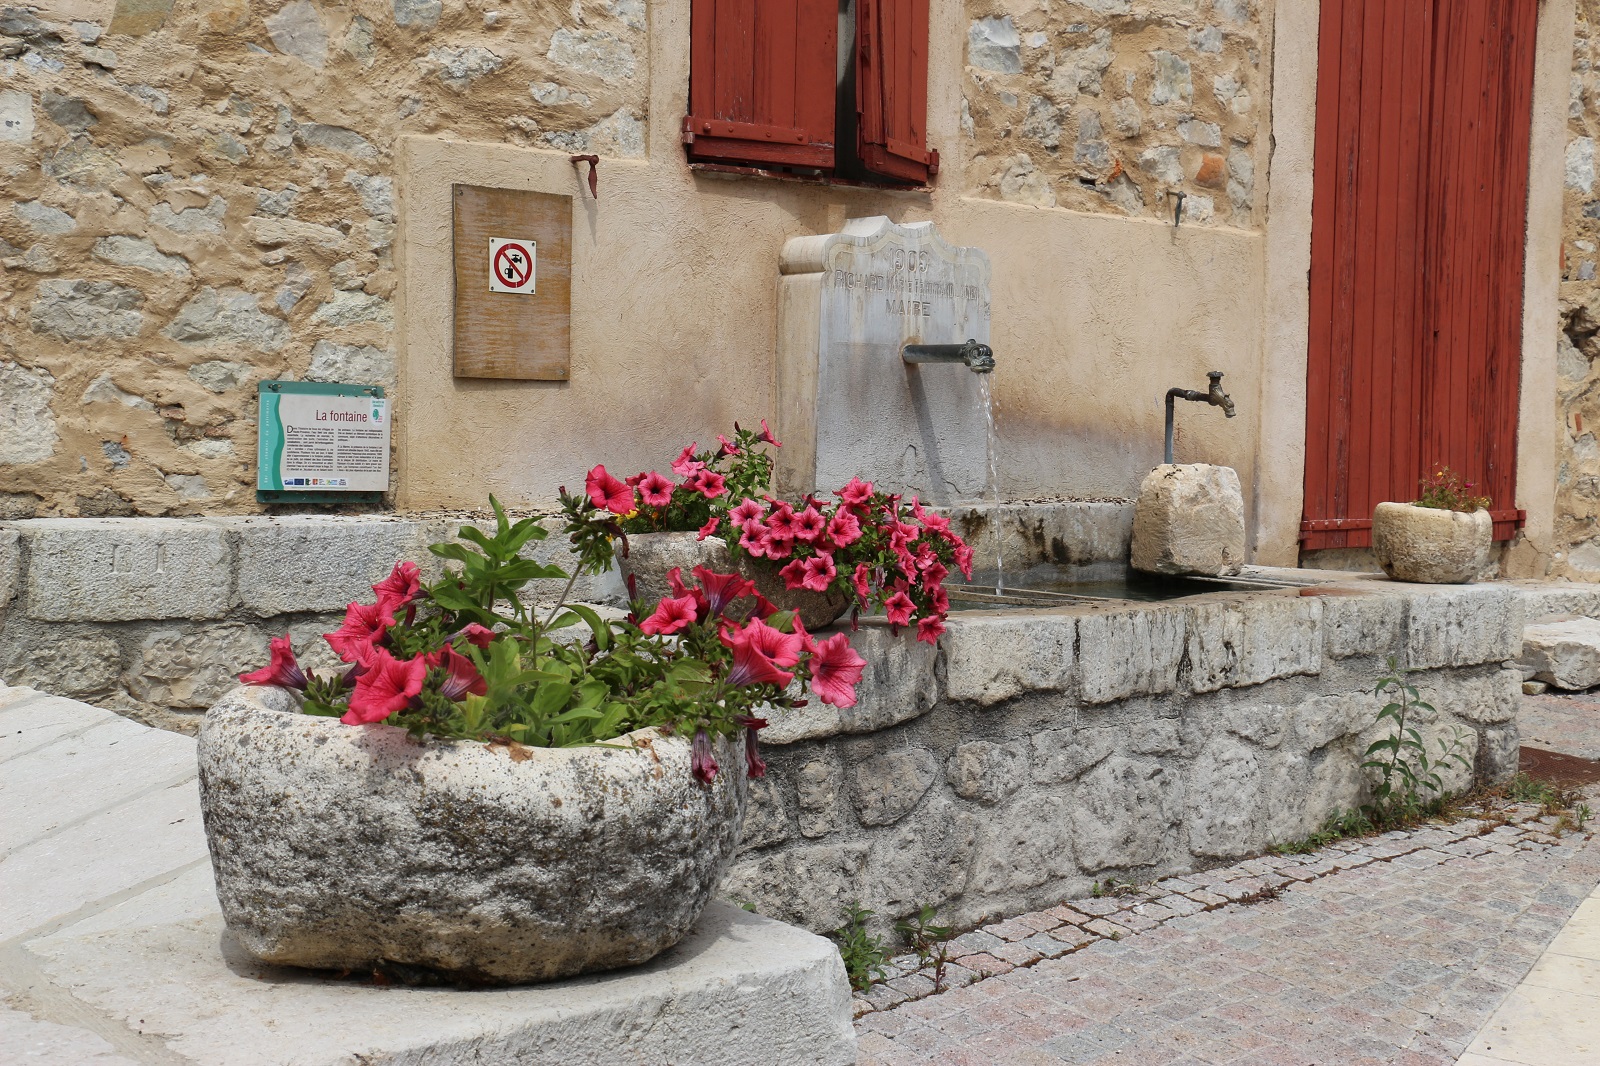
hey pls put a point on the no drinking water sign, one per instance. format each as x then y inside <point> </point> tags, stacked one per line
<point>511,264</point>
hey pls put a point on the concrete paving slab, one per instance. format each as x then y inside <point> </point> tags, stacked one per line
<point>24,1039</point>
<point>36,720</point>
<point>106,764</point>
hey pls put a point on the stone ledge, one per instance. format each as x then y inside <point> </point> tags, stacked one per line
<point>124,569</point>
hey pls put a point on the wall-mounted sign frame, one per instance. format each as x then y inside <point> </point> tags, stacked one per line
<point>513,284</point>
<point>322,442</point>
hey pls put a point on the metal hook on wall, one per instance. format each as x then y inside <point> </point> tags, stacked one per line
<point>1177,209</point>
<point>594,178</point>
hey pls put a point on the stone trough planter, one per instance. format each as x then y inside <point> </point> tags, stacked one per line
<point>340,847</point>
<point>1431,545</point>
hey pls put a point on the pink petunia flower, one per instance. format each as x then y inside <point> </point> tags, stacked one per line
<point>728,446</point>
<point>836,670</point>
<point>754,765</point>
<point>766,435</point>
<point>387,686</point>
<point>720,590</point>
<point>808,525</point>
<point>844,530</point>
<point>760,654</point>
<point>655,490</point>
<point>685,465</point>
<point>461,675</point>
<point>929,628</point>
<point>794,575</point>
<point>708,483</point>
<point>281,670</point>
<point>702,763</point>
<point>898,608</point>
<point>709,528</point>
<point>820,572</point>
<point>400,587</point>
<point>934,574</point>
<point>364,625</point>
<point>749,510</point>
<point>964,561</point>
<point>671,615</point>
<point>753,538</point>
<point>862,581</point>
<point>475,635</point>
<point>607,492</point>
<point>857,494</point>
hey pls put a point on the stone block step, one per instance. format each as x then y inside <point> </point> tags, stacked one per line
<point>1563,654</point>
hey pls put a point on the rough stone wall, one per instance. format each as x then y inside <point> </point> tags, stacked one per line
<point>1577,529</point>
<point>199,195</point>
<point>1115,105</point>
<point>1037,752</point>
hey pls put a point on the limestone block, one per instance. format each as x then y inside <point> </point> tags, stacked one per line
<point>888,785</point>
<point>1062,755</point>
<point>1224,800</point>
<point>1025,843</point>
<point>765,821</point>
<point>1362,625</point>
<point>1264,725</point>
<point>10,567</point>
<point>1499,751</point>
<point>988,772</point>
<point>898,685</point>
<point>818,786</point>
<point>1563,654</point>
<point>61,660</point>
<point>810,886</point>
<point>1463,625</point>
<point>1160,737</point>
<point>1251,640</point>
<point>299,563</point>
<point>577,859</point>
<point>124,569</point>
<point>1122,813</point>
<point>1285,812</point>
<point>1189,520</point>
<point>1321,720</point>
<point>1133,652</point>
<point>1494,697</point>
<point>25,395</point>
<point>989,658</point>
<point>1068,532</point>
<point>195,666</point>
<point>1555,601</point>
<point>228,317</point>
<point>1429,544</point>
<point>924,859</point>
<point>79,310</point>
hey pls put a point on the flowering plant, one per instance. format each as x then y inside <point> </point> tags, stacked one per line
<point>1446,491</point>
<point>466,658</point>
<point>652,502</point>
<point>869,544</point>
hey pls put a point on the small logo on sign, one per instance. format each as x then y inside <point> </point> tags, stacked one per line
<point>511,264</point>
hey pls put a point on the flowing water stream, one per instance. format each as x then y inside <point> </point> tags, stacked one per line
<point>993,480</point>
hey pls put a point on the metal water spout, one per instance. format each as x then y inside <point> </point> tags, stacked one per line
<point>979,358</point>
<point>1215,397</point>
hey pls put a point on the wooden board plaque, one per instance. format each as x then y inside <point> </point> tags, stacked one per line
<point>522,332</point>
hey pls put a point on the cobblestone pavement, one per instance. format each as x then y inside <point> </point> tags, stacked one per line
<point>1559,722</point>
<point>1393,949</point>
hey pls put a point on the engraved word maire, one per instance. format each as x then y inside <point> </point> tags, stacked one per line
<point>848,404</point>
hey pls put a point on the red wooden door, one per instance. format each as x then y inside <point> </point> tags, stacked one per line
<point>1419,209</point>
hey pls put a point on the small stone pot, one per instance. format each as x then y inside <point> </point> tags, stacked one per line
<point>1431,545</point>
<point>342,847</point>
<point>652,555</point>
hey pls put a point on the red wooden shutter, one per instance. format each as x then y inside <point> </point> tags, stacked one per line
<point>762,81</point>
<point>1424,109</point>
<point>892,89</point>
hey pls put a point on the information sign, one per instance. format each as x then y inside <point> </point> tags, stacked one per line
<point>320,440</point>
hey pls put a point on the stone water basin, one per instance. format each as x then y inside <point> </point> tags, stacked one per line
<point>1052,585</point>
<point>1040,748</point>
